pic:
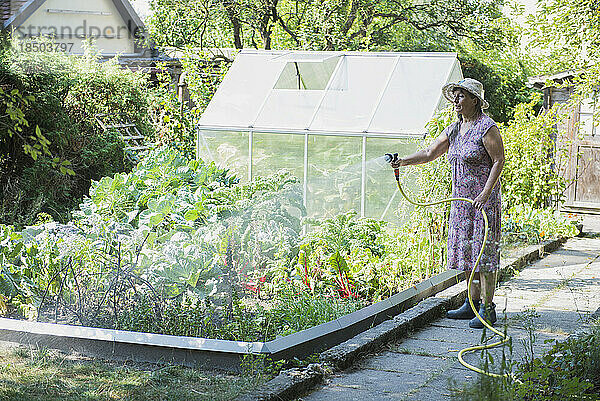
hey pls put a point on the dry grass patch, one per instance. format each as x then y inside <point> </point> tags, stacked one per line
<point>48,375</point>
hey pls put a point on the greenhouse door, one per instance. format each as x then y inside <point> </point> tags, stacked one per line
<point>584,194</point>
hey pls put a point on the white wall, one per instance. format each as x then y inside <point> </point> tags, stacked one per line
<point>71,21</point>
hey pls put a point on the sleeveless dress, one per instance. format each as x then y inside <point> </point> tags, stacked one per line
<point>471,165</point>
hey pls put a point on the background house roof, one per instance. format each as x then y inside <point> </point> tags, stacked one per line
<point>16,13</point>
<point>21,10</point>
<point>539,81</point>
<point>8,8</point>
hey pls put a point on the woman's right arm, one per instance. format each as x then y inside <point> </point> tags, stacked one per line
<point>432,152</point>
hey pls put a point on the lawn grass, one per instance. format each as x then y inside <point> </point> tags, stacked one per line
<point>49,375</point>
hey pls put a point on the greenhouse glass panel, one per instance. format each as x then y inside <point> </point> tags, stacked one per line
<point>240,96</point>
<point>272,152</point>
<point>353,94</point>
<point>334,175</point>
<point>290,108</point>
<point>331,92</point>
<point>228,149</point>
<point>296,55</point>
<point>297,93</point>
<point>412,94</point>
<point>332,99</point>
<point>382,196</point>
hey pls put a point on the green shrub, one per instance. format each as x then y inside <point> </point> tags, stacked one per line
<point>531,174</point>
<point>64,94</point>
<point>504,77</point>
<point>175,123</point>
<point>164,185</point>
<point>522,223</point>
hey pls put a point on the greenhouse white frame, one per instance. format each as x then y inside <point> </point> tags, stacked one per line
<point>317,94</point>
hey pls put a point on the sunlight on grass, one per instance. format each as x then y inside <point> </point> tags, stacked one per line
<point>46,375</point>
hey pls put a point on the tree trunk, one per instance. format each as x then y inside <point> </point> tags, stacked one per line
<point>235,23</point>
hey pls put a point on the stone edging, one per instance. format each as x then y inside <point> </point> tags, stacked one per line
<point>291,383</point>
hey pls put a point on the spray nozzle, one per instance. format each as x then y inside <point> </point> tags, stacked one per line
<point>389,157</point>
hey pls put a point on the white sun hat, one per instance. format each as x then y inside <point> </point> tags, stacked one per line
<point>471,85</point>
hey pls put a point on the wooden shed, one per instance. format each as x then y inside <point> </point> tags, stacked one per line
<point>583,136</point>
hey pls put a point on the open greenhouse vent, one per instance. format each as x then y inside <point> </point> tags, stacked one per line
<point>307,75</point>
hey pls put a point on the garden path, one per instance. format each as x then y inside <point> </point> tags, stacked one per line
<point>549,299</point>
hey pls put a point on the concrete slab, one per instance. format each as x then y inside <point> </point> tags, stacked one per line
<point>441,388</point>
<point>569,303</point>
<point>459,334</point>
<point>406,363</point>
<point>336,393</point>
<point>446,349</point>
<point>591,223</point>
<point>553,321</point>
<point>390,384</point>
<point>440,349</point>
<point>567,255</point>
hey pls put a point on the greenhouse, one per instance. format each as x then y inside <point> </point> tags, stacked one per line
<point>327,117</point>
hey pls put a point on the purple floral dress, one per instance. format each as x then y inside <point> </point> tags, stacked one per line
<point>471,166</point>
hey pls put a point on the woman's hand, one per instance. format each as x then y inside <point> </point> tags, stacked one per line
<point>480,200</point>
<point>398,163</point>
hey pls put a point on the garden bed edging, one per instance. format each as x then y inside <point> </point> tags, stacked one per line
<point>212,353</point>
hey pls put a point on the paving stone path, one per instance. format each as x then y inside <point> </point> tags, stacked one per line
<point>548,300</point>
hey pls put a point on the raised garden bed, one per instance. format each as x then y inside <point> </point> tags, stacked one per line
<point>212,353</point>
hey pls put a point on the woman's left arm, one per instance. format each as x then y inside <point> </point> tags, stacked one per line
<point>492,141</point>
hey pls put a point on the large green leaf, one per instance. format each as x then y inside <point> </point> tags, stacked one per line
<point>191,215</point>
<point>338,263</point>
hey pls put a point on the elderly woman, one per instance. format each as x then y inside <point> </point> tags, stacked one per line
<point>476,156</point>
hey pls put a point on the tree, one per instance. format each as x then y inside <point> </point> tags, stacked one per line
<point>181,23</point>
<point>372,24</point>
<point>321,25</point>
<point>503,72</point>
<point>487,42</point>
<point>567,33</point>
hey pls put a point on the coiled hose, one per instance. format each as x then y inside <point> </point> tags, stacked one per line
<point>505,338</point>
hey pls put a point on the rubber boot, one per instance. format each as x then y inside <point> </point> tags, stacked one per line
<point>464,312</point>
<point>486,312</point>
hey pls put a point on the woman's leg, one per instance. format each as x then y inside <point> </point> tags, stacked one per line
<point>487,309</point>
<point>465,311</point>
<point>488,286</point>
<point>475,285</point>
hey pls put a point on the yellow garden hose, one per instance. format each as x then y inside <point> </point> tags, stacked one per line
<point>505,338</point>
